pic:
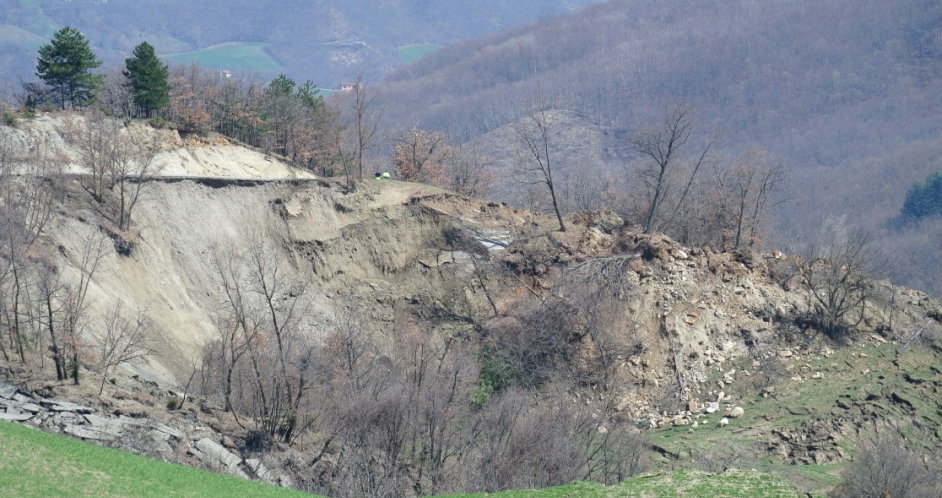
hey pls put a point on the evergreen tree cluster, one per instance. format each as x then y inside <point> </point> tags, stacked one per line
<point>923,200</point>
<point>64,66</point>
<point>282,116</point>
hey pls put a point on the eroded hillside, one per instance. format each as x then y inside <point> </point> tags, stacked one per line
<point>319,326</point>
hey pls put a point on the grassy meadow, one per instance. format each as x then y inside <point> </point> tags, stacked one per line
<point>412,53</point>
<point>251,57</point>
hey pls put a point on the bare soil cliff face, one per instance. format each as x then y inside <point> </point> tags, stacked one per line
<point>374,248</point>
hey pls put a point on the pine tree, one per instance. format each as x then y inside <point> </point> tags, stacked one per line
<point>923,199</point>
<point>64,65</point>
<point>148,79</point>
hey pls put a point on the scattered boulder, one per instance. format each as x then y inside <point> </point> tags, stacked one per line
<point>96,428</point>
<point>15,416</point>
<point>215,454</point>
<point>66,406</point>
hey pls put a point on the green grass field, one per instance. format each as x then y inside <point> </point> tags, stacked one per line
<point>36,464</point>
<point>412,53</point>
<point>250,57</point>
<point>14,35</point>
<point>680,484</point>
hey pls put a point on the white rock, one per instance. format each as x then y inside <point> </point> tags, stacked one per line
<point>260,470</point>
<point>15,417</point>
<point>7,391</point>
<point>66,406</point>
<point>209,450</point>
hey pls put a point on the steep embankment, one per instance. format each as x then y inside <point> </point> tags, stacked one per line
<point>371,246</point>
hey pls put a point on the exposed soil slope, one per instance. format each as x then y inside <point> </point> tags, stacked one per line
<point>680,324</point>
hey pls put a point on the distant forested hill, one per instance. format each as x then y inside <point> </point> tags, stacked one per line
<point>847,94</point>
<point>322,40</point>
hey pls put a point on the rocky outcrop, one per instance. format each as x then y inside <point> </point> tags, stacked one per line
<point>141,435</point>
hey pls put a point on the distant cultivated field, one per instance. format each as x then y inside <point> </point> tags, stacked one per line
<point>250,57</point>
<point>412,53</point>
<point>14,35</point>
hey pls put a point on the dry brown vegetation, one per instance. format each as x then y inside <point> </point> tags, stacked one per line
<point>845,108</point>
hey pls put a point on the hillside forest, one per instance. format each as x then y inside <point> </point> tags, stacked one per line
<point>843,95</point>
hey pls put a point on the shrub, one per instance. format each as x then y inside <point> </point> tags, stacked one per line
<point>537,344</point>
<point>888,465</point>
<point>496,373</point>
<point>159,123</point>
<point>258,441</point>
<point>173,403</point>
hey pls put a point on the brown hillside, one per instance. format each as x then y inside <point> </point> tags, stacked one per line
<point>403,276</point>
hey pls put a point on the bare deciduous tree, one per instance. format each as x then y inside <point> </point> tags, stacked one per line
<point>133,169</point>
<point>367,110</point>
<point>65,307</point>
<point>120,166</point>
<point>238,324</point>
<point>537,161</point>
<point>663,145</point>
<point>123,340</point>
<point>469,171</point>
<point>750,183</point>
<point>49,289</point>
<point>95,139</point>
<point>261,362</point>
<point>28,194</point>
<point>351,349</point>
<point>420,156</point>
<point>75,300</point>
<point>115,93</point>
<point>888,466</point>
<point>835,269</point>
